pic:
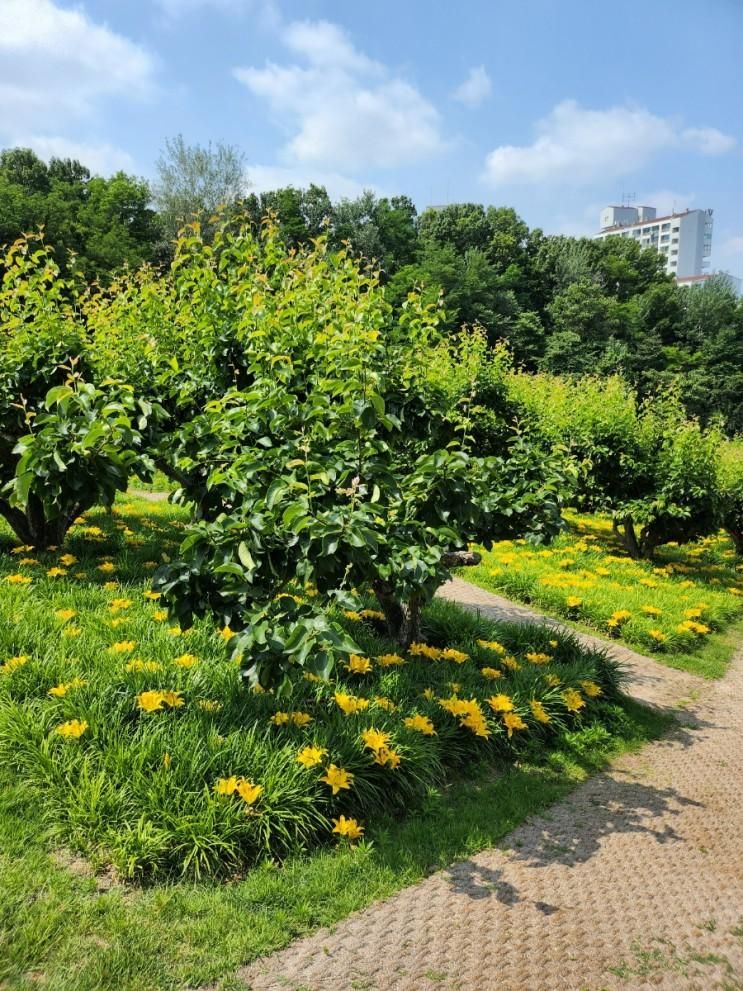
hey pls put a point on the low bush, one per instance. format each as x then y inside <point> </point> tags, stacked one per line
<point>355,448</point>
<point>67,440</point>
<point>658,472</point>
<point>732,492</point>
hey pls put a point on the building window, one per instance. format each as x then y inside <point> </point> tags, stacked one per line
<point>664,239</point>
<point>665,227</point>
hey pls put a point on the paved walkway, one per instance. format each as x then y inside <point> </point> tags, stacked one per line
<point>635,881</point>
<point>149,496</point>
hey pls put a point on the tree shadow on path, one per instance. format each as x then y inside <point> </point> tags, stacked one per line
<point>614,802</point>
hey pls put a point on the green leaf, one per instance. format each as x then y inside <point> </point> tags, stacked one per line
<point>57,395</point>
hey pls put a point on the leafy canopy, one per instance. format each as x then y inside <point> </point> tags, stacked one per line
<point>95,225</point>
<point>66,443</point>
<point>658,471</point>
<point>349,457</point>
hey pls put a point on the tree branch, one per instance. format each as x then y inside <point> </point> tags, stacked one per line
<point>16,520</point>
<point>461,559</point>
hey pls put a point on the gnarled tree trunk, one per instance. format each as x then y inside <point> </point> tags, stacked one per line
<point>403,619</point>
<point>32,526</point>
<point>736,536</point>
<point>628,538</point>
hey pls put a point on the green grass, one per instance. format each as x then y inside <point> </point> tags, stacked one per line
<point>685,608</point>
<point>136,789</point>
<point>159,483</point>
<point>82,646</point>
<point>63,927</point>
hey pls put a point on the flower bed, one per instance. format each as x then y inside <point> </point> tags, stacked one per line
<point>146,747</point>
<point>672,606</point>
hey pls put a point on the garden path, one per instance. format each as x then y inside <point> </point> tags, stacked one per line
<point>634,881</point>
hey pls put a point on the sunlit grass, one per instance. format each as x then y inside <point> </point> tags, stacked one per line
<point>73,930</point>
<point>136,789</point>
<point>132,730</point>
<point>678,607</point>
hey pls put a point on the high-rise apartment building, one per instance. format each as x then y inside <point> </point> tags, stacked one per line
<point>684,239</point>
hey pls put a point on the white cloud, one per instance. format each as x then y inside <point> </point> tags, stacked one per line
<point>347,111</point>
<point>476,87</point>
<point>576,144</point>
<point>267,10</point>
<point>709,140</point>
<point>55,63</point>
<point>101,159</point>
<point>327,45</point>
<point>263,178</point>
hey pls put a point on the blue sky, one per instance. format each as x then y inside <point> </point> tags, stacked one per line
<point>555,107</point>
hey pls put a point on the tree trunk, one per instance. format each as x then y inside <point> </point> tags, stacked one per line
<point>649,543</point>
<point>172,473</point>
<point>737,538</point>
<point>402,618</point>
<point>17,521</point>
<point>33,528</point>
<point>461,559</point>
<point>628,538</point>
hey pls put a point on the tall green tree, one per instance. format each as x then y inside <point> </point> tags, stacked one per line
<point>383,230</point>
<point>194,181</point>
<point>301,214</point>
<point>93,224</point>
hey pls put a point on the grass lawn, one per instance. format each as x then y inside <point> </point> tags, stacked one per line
<point>150,753</point>
<point>161,824</point>
<point>63,927</point>
<point>685,608</point>
<point>160,483</point>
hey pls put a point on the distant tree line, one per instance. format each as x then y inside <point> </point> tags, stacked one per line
<point>567,306</point>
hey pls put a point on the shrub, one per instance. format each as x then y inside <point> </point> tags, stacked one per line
<point>677,495</point>
<point>596,420</point>
<point>732,492</point>
<point>65,443</point>
<point>81,446</point>
<point>654,469</point>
